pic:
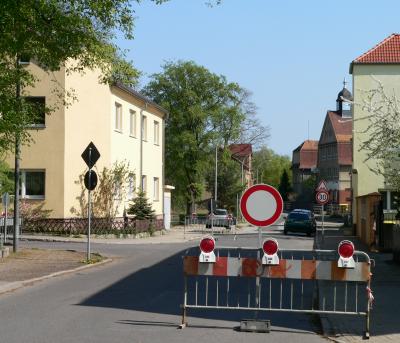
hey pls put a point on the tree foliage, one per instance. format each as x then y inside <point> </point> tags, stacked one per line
<point>284,187</point>
<point>228,181</point>
<point>140,208</point>
<point>53,33</point>
<point>205,110</point>
<point>270,166</point>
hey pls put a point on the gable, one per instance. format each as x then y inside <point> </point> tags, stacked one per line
<point>328,132</point>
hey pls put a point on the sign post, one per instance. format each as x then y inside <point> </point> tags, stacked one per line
<point>261,205</point>
<point>322,198</point>
<point>5,198</point>
<point>90,155</point>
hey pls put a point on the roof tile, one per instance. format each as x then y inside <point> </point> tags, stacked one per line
<point>387,51</point>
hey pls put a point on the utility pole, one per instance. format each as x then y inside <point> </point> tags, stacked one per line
<point>17,167</point>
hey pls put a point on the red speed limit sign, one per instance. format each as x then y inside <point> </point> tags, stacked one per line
<point>322,197</point>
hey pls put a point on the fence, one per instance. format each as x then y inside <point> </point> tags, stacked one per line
<point>205,224</point>
<point>78,226</point>
<point>239,281</point>
<point>7,229</point>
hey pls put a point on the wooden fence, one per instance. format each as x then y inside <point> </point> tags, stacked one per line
<point>99,226</point>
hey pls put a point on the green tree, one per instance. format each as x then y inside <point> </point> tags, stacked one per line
<point>52,33</point>
<point>6,181</point>
<point>140,207</point>
<point>284,187</point>
<point>270,166</point>
<point>204,111</point>
<point>228,181</point>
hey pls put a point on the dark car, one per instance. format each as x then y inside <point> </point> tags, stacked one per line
<point>302,221</point>
<point>220,218</point>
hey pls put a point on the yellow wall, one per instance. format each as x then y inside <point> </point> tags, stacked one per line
<point>46,152</point>
<point>86,120</point>
<point>125,147</point>
<point>364,79</point>
<point>58,147</point>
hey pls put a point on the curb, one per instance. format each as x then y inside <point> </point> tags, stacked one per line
<point>12,286</point>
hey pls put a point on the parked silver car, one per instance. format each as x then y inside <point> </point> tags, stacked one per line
<point>220,218</point>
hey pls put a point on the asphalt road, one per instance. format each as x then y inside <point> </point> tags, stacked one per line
<point>137,298</point>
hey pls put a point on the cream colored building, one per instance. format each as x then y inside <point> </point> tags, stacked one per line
<point>381,64</point>
<point>123,125</point>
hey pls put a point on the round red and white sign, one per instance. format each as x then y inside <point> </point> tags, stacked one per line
<point>261,205</point>
<point>322,197</point>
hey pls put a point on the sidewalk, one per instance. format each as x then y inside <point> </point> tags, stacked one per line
<point>174,235</point>
<point>33,265</point>
<point>28,266</point>
<point>385,321</point>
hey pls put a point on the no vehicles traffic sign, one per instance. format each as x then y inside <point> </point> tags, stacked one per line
<point>261,205</point>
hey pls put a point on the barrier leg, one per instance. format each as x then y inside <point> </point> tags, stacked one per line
<point>367,318</point>
<point>184,309</point>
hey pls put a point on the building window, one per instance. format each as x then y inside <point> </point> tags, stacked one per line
<point>131,186</point>
<point>144,183</point>
<point>118,117</point>
<point>156,189</point>
<point>132,126</point>
<point>156,133</point>
<point>144,128</point>
<point>37,110</point>
<point>24,59</point>
<point>33,184</point>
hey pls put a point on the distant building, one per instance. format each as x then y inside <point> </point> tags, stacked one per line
<point>335,151</point>
<point>243,154</point>
<point>304,162</point>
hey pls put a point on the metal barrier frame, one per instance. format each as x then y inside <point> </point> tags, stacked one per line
<point>318,256</point>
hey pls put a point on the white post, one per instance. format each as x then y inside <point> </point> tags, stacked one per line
<point>323,233</point>
<point>216,174</point>
<point>89,219</point>
<point>89,207</point>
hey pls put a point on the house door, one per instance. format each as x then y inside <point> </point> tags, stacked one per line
<point>167,210</point>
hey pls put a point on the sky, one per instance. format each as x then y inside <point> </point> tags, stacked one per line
<point>292,55</point>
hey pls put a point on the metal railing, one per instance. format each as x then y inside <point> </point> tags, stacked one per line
<point>209,224</point>
<point>239,281</point>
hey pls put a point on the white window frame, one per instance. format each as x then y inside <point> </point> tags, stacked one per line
<point>156,189</point>
<point>156,132</point>
<point>131,186</point>
<point>132,123</point>
<point>144,128</point>
<point>23,184</point>
<point>144,183</point>
<point>118,117</point>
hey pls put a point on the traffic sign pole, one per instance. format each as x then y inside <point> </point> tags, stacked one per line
<point>89,208</point>
<point>90,155</point>
<point>323,232</point>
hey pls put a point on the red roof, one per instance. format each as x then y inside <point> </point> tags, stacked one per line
<point>241,150</point>
<point>308,154</point>
<point>387,51</point>
<point>341,126</point>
